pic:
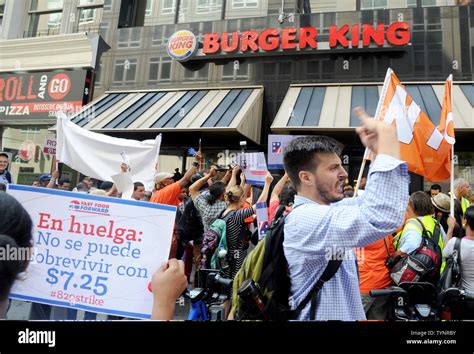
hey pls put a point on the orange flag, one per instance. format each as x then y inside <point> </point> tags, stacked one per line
<point>425,147</point>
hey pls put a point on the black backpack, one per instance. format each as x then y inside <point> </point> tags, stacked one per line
<point>424,263</point>
<point>189,224</point>
<point>273,283</point>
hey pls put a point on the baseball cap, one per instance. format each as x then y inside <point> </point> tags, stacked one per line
<point>162,176</point>
<point>43,177</point>
<point>106,185</point>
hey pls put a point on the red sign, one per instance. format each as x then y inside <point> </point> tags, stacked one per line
<point>396,34</point>
<point>42,95</point>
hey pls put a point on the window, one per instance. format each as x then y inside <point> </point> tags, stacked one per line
<point>427,3</point>
<point>208,6</point>
<point>107,5</point>
<point>149,8</point>
<point>240,4</point>
<point>90,14</point>
<point>199,75</point>
<point>104,30</point>
<point>168,7</point>
<point>2,10</point>
<point>373,4</point>
<point>412,3</point>
<point>129,37</point>
<point>231,73</point>
<point>160,70</point>
<point>199,28</point>
<point>161,34</point>
<point>125,71</point>
<point>87,16</point>
<point>45,18</point>
<point>46,5</point>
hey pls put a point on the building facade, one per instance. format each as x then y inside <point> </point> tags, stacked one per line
<point>139,90</point>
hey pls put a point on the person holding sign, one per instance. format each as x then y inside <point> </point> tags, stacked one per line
<point>16,239</point>
<point>235,198</point>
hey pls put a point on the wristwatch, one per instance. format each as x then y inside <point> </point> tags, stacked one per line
<point>196,164</point>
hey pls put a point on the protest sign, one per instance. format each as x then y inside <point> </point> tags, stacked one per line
<point>276,144</point>
<point>93,253</point>
<point>262,219</point>
<point>50,146</point>
<point>254,167</point>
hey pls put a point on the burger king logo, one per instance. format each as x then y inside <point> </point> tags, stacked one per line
<point>182,45</point>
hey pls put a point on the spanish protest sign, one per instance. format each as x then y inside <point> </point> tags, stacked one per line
<point>92,252</point>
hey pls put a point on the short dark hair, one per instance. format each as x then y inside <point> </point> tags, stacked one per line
<point>469,217</point>
<point>81,187</point>
<point>137,184</point>
<point>421,204</point>
<point>299,155</point>
<point>436,187</point>
<point>63,180</point>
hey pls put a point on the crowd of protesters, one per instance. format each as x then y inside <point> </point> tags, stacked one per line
<point>322,212</point>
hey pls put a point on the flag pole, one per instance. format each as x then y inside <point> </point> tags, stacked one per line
<point>450,78</point>
<point>452,181</point>
<point>377,116</point>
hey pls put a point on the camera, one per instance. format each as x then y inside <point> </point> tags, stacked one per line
<point>391,261</point>
<point>252,298</point>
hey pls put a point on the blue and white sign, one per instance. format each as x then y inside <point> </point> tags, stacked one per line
<point>93,253</point>
<point>262,219</point>
<point>276,144</point>
<point>254,167</point>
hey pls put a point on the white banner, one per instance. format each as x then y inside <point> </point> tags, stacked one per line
<point>254,167</point>
<point>100,156</point>
<point>93,253</point>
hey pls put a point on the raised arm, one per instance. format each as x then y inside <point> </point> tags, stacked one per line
<point>54,178</point>
<point>266,188</point>
<point>451,224</point>
<point>233,180</point>
<point>183,182</point>
<point>196,186</point>
<point>275,196</point>
<point>227,177</point>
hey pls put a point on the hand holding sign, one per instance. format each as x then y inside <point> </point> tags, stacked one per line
<point>168,283</point>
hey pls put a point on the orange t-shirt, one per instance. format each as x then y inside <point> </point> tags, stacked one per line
<point>372,270</point>
<point>168,195</point>
<point>246,205</point>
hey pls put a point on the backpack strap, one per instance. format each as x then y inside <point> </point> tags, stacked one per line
<point>329,272</point>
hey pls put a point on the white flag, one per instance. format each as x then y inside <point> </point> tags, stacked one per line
<point>100,156</point>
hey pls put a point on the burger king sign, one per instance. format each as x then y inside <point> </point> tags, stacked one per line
<point>182,45</point>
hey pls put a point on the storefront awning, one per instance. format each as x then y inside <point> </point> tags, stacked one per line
<point>331,107</point>
<point>217,110</point>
